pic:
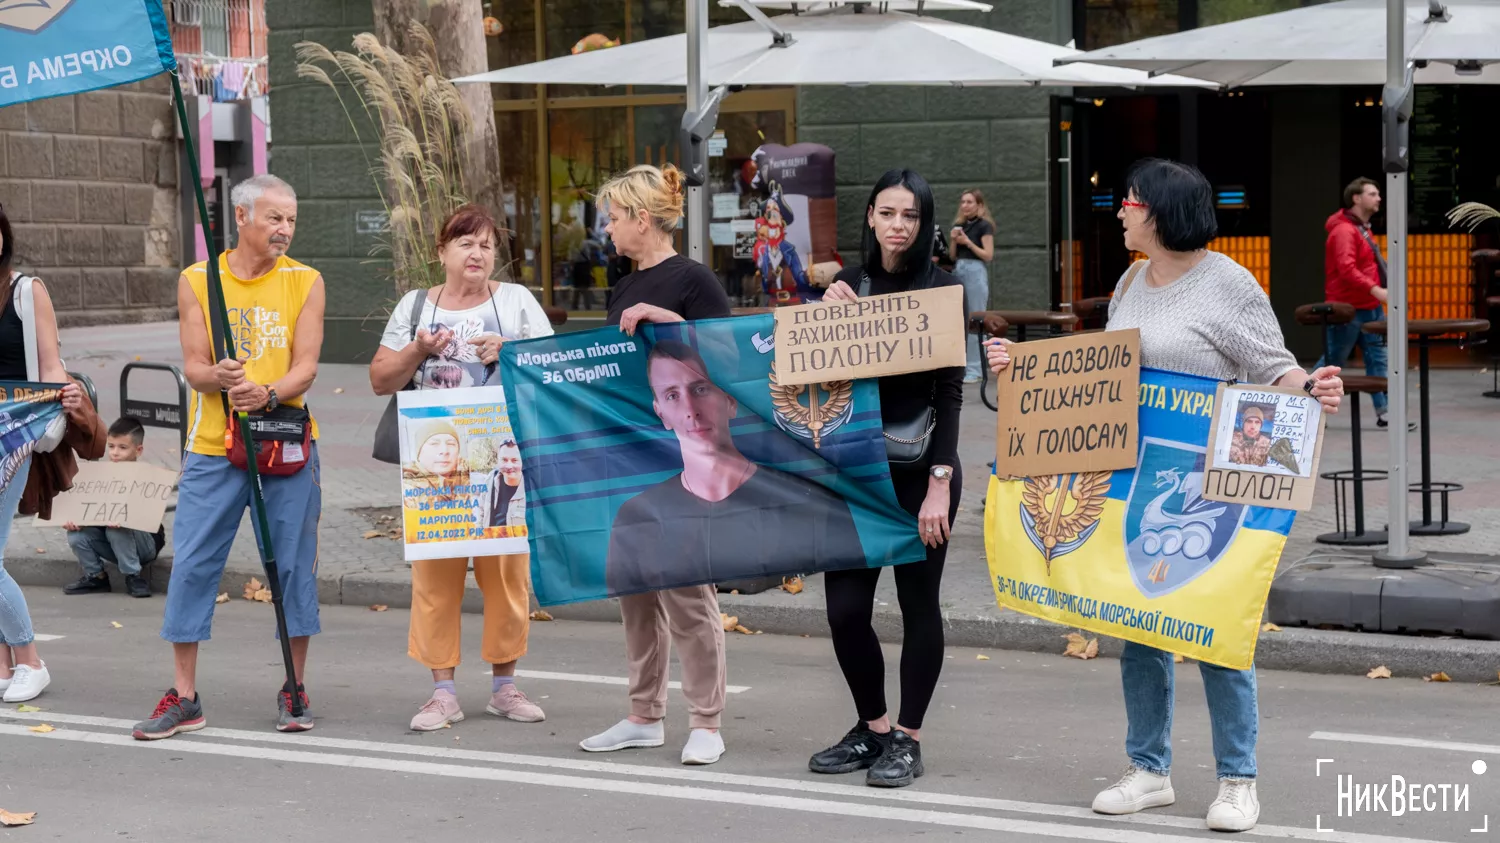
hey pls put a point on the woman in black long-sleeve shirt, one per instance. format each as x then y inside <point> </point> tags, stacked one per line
<point>897,257</point>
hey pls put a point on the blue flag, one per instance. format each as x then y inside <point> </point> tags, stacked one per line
<point>52,48</point>
<point>26,410</point>
<point>673,459</point>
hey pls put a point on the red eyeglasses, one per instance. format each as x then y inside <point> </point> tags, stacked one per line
<point>1126,203</point>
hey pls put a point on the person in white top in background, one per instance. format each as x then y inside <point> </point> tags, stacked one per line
<point>1202,314</point>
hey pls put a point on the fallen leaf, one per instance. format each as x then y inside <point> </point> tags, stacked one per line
<point>262,596</point>
<point>386,519</point>
<point>41,550</point>
<point>1496,682</point>
<point>373,534</point>
<point>805,635</point>
<point>1437,677</point>
<point>222,598</point>
<point>1080,647</point>
<point>734,591</point>
<point>338,390</point>
<point>1381,672</point>
<point>117,624</point>
<point>729,623</point>
<point>26,709</point>
<point>43,729</point>
<point>9,819</point>
<point>379,607</point>
<point>982,657</point>
<point>541,615</point>
<point>395,533</point>
<point>791,585</point>
<point>252,587</point>
<point>1269,627</point>
<point>743,630</point>
<point>137,358</point>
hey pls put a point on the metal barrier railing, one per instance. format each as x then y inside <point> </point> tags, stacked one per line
<point>156,413</point>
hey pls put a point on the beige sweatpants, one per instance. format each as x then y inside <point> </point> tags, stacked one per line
<point>688,617</point>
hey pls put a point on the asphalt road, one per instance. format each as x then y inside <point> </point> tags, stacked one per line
<point>1015,746</point>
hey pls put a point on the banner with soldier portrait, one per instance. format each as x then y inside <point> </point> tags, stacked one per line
<point>673,458</point>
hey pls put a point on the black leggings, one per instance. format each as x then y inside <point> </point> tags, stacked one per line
<point>851,602</point>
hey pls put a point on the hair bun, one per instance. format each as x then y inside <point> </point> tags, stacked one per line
<point>672,178</point>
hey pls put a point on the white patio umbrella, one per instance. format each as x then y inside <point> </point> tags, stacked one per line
<point>1345,43</point>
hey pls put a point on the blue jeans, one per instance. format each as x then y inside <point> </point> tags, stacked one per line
<point>1341,339</point>
<point>129,549</point>
<point>976,280</point>
<point>1233,711</point>
<point>15,617</point>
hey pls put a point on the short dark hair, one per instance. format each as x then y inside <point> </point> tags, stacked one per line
<point>918,257</point>
<point>467,220</point>
<point>1357,187</point>
<point>675,350</point>
<point>1178,199</point>
<point>127,426</point>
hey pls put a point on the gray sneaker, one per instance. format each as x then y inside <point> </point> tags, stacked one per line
<point>285,720</point>
<point>173,714</point>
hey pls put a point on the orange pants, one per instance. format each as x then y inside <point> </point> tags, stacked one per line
<point>437,597</point>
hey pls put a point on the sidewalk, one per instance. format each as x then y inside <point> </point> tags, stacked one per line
<point>357,491</point>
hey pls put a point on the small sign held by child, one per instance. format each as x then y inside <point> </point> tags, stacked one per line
<point>121,492</point>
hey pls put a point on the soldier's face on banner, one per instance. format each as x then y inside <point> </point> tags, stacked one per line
<point>691,406</point>
<point>439,454</point>
<point>510,464</point>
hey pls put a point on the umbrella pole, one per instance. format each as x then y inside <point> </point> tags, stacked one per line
<point>696,228</point>
<point>1397,89</point>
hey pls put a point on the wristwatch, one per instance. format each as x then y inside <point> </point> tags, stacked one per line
<point>942,472</point>
<point>272,402</point>
<point>1308,387</point>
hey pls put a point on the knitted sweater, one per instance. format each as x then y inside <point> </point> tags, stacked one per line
<point>1214,321</point>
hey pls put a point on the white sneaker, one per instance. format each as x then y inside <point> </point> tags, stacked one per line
<point>1137,790</point>
<point>28,683</point>
<point>626,735</point>
<point>703,747</point>
<point>1237,808</point>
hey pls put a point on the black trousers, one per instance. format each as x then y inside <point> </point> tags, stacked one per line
<point>851,602</point>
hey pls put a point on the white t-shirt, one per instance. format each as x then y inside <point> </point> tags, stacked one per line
<point>520,317</point>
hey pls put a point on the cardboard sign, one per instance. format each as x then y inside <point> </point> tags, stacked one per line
<point>1264,447</point>
<point>876,336</point>
<point>1070,405</point>
<point>128,494</point>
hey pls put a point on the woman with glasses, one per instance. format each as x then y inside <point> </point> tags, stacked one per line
<point>455,341</point>
<point>1202,314</point>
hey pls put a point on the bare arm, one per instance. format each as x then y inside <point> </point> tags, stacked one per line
<point>392,370</point>
<point>49,362</point>
<point>307,346</point>
<point>197,352</point>
<point>985,250</point>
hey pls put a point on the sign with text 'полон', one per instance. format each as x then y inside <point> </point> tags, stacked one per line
<point>1069,405</point>
<point>875,336</point>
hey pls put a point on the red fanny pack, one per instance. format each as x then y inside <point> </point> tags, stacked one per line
<point>282,437</point>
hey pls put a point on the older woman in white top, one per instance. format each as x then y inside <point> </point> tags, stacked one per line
<point>1199,313</point>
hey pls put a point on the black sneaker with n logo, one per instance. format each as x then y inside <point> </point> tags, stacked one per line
<point>858,750</point>
<point>899,765</point>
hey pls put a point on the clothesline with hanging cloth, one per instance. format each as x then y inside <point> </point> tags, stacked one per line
<point>224,79</point>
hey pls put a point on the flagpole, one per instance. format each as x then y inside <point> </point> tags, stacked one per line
<point>224,351</point>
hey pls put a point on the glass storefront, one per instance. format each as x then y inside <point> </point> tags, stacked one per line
<point>559,143</point>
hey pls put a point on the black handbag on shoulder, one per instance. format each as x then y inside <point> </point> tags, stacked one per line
<point>388,432</point>
<point>907,441</point>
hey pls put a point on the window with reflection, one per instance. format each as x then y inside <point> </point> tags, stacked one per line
<point>588,145</point>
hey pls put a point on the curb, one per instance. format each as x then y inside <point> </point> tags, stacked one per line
<point>1300,650</point>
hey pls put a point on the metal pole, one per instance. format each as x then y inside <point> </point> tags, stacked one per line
<point>1398,552</point>
<point>695,226</point>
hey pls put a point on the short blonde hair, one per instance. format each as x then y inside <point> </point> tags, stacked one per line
<point>657,192</point>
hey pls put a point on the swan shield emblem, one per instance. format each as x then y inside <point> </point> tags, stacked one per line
<point>1173,535</point>
<point>30,15</point>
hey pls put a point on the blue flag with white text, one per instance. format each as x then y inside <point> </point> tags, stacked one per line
<point>53,48</point>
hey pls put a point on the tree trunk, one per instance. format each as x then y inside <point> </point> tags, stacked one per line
<point>457,27</point>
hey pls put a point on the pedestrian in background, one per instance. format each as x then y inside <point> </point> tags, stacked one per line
<point>1354,273</point>
<point>896,256</point>
<point>971,247</point>
<point>274,349</point>
<point>457,327</point>
<point>644,207</point>
<point>1199,313</point>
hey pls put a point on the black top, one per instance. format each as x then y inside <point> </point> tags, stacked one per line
<point>902,397</point>
<point>687,288</point>
<point>974,229</point>
<point>12,339</point>
<point>776,523</point>
<point>501,494</point>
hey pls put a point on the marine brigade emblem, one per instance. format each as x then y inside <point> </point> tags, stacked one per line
<point>30,15</point>
<point>1060,512</point>
<point>814,410</point>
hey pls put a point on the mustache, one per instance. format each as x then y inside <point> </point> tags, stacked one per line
<point>281,240</point>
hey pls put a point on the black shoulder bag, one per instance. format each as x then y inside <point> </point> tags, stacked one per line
<point>388,432</point>
<point>907,441</point>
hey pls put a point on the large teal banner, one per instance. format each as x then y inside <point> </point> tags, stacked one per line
<point>673,459</point>
<point>52,48</point>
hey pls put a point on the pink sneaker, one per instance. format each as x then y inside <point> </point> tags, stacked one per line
<point>437,712</point>
<point>510,702</point>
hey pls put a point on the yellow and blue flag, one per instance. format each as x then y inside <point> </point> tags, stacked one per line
<point>1138,553</point>
<point>52,48</point>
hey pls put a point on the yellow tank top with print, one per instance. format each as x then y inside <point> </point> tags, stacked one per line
<point>263,315</point>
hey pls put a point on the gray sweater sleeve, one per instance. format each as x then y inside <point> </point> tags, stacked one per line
<point>1251,336</point>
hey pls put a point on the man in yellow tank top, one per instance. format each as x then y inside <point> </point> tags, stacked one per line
<point>276,318</point>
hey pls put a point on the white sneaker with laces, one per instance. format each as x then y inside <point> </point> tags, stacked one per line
<point>1237,808</point>
<point>1137,790</point>
<point>27,683</point>
<point>703,747</point>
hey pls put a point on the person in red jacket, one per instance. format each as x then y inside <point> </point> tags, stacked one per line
<point>1354,273</point>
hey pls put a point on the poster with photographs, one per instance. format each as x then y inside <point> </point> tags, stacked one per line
<point>462,490</point>
<point>1265,445</point>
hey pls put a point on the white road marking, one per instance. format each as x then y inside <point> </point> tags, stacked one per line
<point>41,637</point>
<point>619,786</point>
<point>604,680</point>
<point>703,776</point>
<point>1414,743</point>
